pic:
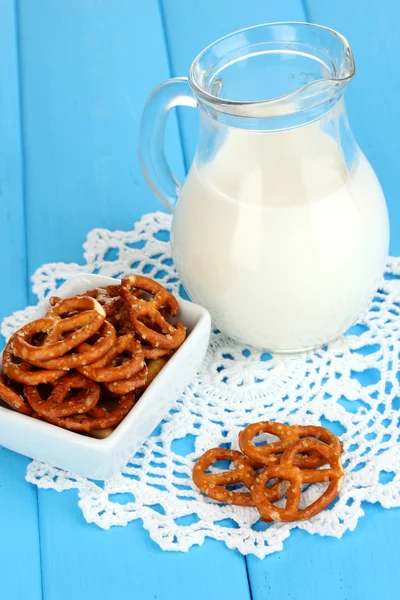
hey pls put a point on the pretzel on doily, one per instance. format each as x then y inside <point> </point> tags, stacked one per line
<point>60,402</point>
<point>99,417</point>
<point>103,340</point>
<point>11,397</point>
<point>21,371</point>
<point>287,471</point>
<point>81,326</point>
<point>268,454</point>
<point>114,366</point>
<point>212,484</point>
<point>168,336</point>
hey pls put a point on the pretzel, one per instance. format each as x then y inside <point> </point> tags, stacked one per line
<point>121,320</point>
<point>160,296</point>
<point>212,484</point>
<point>168,336</point>
<point>124,386</point>
<point>82,325</point>
<point>19,370</point>
<point>11,397</point>
<point>286,470</point>
<point>154,353</point>
<point>106,337</point>
<point>268,454</point>
<point>92,338</point>
<point>60,403</point>
<point>109,297</point>
<point>98,417</point>
<point>107,368</point>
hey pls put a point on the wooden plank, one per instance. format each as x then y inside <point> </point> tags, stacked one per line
<point>19,548</point>
<point>362,564</point>
<point>373,98</point>
<point>12,228</point>
<point>307,562</point>
<point>20,571</point>
<point>190,27</point>
<point>309,565</point>
<point>83,561</point>
<point>87,69</point>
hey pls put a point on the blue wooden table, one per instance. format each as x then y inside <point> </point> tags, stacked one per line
<point>74,75</point>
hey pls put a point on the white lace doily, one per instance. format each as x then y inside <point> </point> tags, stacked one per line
<point>351,386</point>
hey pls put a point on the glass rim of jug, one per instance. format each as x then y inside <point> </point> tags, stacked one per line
<point>324,45</point>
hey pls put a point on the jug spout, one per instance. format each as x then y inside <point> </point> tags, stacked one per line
<point>289,68</point>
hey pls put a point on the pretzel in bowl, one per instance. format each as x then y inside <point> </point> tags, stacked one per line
<point>155,353</point>
<point>124,386</point>
<point>141,379</point>
<point>122,361</point>
<point>61,333</point>
<point>121,320</point>
<point>287,471</point>
<point>83,365</point>
<point>145,316</point>
<point>268,454</point>
<point>102,341</point>
<point>60,403</point>
<point>23,372</point>
<point>109,297</point>
<point>98,418</point>
<point>11,397</point>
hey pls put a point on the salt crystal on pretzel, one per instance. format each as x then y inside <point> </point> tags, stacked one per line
<point>11,397</point>
<point>268,454</point>
<point>287,470</point>
<point>99,417</point>
<point>106,368</point>
<point>81,326</point>
<point>140,310</point>
<point>106,340</point>
<point>21,371</point>
<point>60,403</point>
<point>212,484</point>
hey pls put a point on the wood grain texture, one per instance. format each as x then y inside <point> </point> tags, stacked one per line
<point>361,565</point>
<point>373,97</point>
<point>20,566</point>
<point>20,577</point>
<point>191,26</point>
<point>307,563</point>
<point>83,561</point>
<point>311,566</point>
<point>87,69</point>
<point>12,220</point>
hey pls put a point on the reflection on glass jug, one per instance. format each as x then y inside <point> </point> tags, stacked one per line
<point>280,229</point>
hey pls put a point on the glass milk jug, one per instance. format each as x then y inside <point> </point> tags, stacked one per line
<point>281,228</point>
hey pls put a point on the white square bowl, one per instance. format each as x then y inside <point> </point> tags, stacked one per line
<point>101,459</point>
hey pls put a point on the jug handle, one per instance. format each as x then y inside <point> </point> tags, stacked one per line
<point>171,93</point>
